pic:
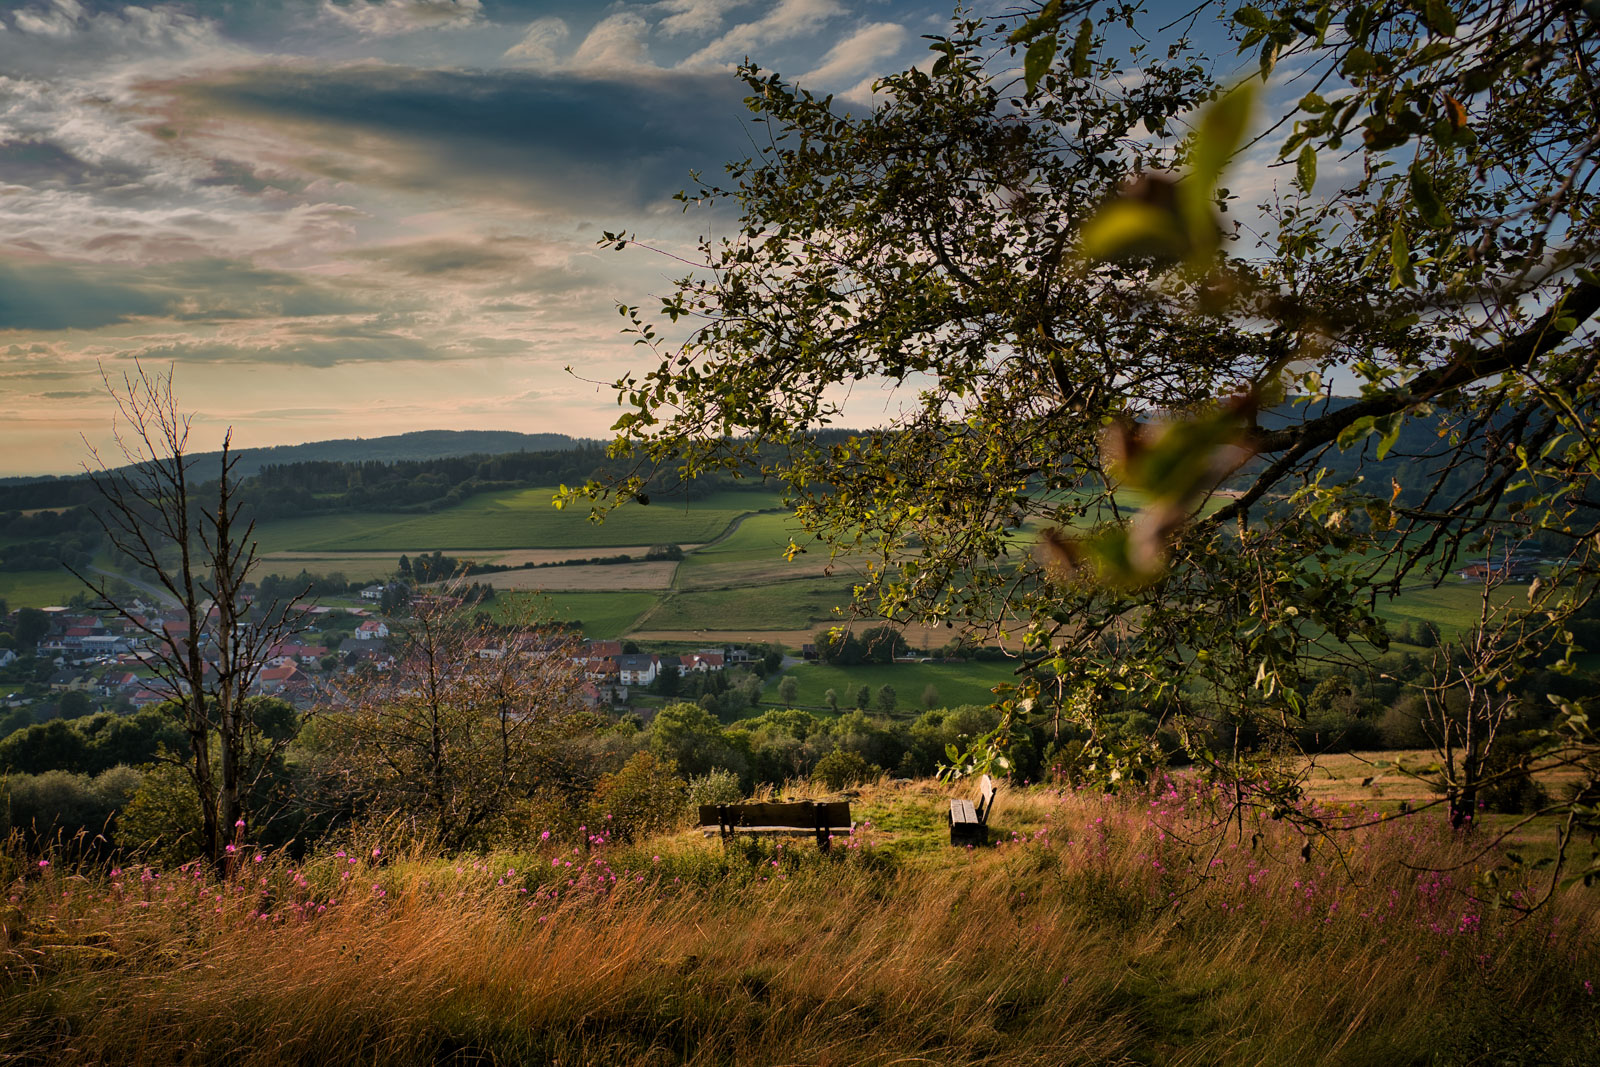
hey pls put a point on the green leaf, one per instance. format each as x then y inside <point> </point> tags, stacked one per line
<point>1358,61</point>
<point>1305,169</point>
<point>1048,18</point>
<point>1251,17</point>
<point>1426,198</point>
<point>1127,229</point>
<point>1080,48</point>
<point>1219,134</point>
<point>1439,17</point>
<point>1401,273</point>
<point>1037,62</point>
<point>1389,426</point>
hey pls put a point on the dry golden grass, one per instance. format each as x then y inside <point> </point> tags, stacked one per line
<point>1098,931</point>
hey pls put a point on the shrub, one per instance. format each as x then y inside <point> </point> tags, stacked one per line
<point>60,802</point>
<point>839,769</point>
<point>646,796</point>
<point>162,818</point>
<point>719,786</point>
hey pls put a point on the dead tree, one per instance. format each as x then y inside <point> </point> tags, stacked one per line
<point>188,537</point>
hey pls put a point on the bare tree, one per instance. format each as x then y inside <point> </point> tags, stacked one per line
<point>466,720</point>
<point>187,536</point>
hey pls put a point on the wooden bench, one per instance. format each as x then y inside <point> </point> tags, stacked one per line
<point>969,822</point>
<point>804,817</point>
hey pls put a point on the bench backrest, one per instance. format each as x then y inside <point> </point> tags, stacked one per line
<point>826,817</point>
<point>985,798</point>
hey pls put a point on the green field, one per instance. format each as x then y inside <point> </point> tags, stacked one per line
<point>37,589</point>
<point>753,554</point>
<point>603,615</point>
<point>773,605</point>
<point>957,683</point>
<point>1452,607</point>
<point>514,518</point>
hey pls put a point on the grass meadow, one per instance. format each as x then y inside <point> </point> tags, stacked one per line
<point>785,605</point>
<point>957,683</point>
<point>510,519</point>
<point>603,615</point>
<point>37,589</point>
<point>1141,929</point>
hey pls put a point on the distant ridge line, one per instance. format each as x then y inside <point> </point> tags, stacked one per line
<point>393,448</point>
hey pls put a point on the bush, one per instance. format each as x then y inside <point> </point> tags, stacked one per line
<point>646,797</point>
<point>714,787</point>
<point>54,803</point>
<point>162,818</point>
<point>840,769</point>
<point>1401,725</point>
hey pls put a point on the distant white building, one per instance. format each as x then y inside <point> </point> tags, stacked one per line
<point>372,630</point>
<point>636,669</point>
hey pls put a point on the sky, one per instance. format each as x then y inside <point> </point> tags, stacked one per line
<point>338,218</point>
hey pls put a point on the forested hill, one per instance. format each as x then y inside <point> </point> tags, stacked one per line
<point>413,446</point>
<point>417,445</point>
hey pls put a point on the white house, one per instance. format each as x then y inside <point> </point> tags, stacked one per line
<point>636,669</point>
<point>371,630</point>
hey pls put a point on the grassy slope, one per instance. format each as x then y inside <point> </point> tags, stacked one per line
<point>37,589</point>
<point>604,615</point>
<point>520,518</point>
<point>958,683</point>
<point>1085,937</point>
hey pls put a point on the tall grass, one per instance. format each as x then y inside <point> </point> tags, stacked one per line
<point>1132,930</point>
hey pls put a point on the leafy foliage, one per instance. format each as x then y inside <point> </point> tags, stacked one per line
<point>1042,275</point>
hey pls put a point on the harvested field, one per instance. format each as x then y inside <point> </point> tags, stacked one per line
<point>919,636</point>
<point>582,579</point>
<point>519,556</point>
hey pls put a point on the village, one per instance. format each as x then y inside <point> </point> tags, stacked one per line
<point>110,660</point>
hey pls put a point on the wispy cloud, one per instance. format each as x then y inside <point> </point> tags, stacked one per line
<point>787,20</point>
<point>858,53</point>
<point>389,18</point>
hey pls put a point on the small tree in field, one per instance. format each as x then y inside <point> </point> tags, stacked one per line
<point>930,696</point>
<point>460,728</point>
<point>789,690</point>
<point>186,535</point>
<point>887,699</point>
<point>863,697</point>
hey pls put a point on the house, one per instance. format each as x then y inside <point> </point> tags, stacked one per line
<point>372,629</point>
<point>1512,569</point>
<point>600,668</point>
<point>68,679</point>
<point>636,669</point>
<point>146,696</point>
<point>372,592</point>
<point>701,662</point>
<point>112,682</point>
<point>7,657</point>
<point>276,680</point>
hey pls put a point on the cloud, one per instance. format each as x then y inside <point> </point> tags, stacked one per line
<point>538,45</point>
<point>436,258</point>
<point>789,19</point>
<point>378,347</point>
<point>694,16</point>
<point>61,296</point>
<point>617,42</point>
<point>46,296</point>
<point>544,141</point>
<point>391,18</point>
<point>859,52</point>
